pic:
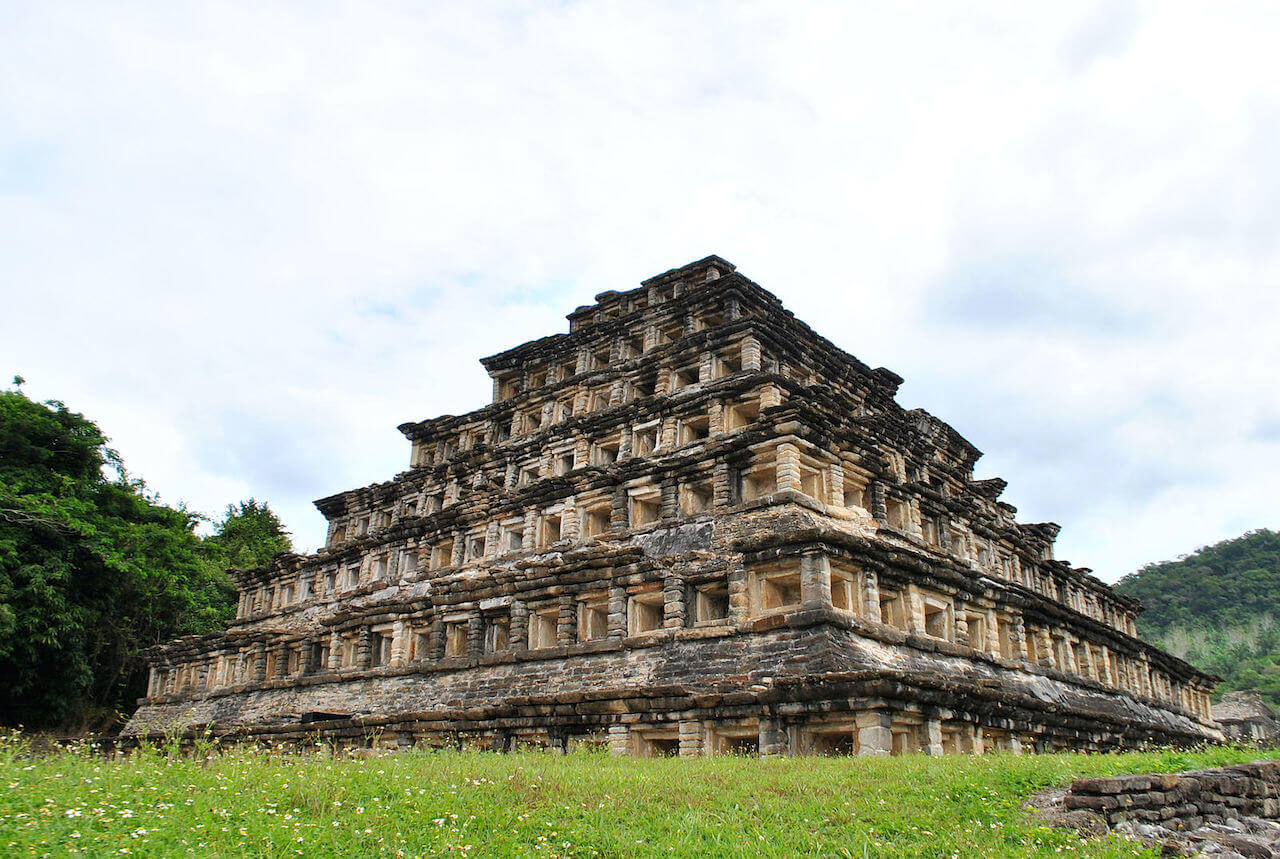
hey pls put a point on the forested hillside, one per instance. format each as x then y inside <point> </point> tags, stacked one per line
<point>1218,609</point>
<point>94,568</point>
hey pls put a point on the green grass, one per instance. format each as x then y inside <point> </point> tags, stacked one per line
<point>258,803</point>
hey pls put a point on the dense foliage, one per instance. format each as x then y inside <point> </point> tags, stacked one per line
<point>93,569</point>
<point>1218,609</point>
<point>249,536</point>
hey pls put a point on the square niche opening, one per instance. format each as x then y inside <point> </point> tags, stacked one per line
<point>646,613</point>
<point>780,590</point>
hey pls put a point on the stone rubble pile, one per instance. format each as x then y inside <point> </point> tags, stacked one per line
<point>1227,812</point>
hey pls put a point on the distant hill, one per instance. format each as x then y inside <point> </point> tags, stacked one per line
<point>1218,608</point>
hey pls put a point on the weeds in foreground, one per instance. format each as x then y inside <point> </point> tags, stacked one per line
<point>260,801</point>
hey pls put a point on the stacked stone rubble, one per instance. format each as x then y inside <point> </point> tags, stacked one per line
<point>1183,801</point>
<point>690,525</point>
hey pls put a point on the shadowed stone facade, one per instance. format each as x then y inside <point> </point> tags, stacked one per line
<point>690,525</point>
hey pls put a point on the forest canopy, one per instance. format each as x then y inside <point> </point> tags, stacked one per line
<point>94,569</point>
<point>1217,608</point>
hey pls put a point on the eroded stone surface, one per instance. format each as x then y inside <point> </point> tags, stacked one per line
<point>1224,812</point>
<point>690,525</point>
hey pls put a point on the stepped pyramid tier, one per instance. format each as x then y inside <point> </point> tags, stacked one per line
<point>689,525</point>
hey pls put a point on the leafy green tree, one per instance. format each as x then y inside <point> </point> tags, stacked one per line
<point>92,570</point>
<point>249,535</point>
<point>1219,608</point>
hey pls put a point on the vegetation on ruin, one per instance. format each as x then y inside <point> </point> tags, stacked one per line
<point>256,803</point>
<point>94,568</point>
<point>1218,609</point>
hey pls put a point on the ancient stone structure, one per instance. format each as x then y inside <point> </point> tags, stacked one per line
<point>1245,717</point>
<point>689,525</point>
<point>1229,811</point>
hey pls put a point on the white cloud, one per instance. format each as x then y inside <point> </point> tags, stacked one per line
<point>251,239</point>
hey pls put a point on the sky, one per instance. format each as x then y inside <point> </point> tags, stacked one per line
<point>249,239</point>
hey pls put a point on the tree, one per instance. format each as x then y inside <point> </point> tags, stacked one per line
<point>93,569</point>
<point>250,535</point>
<point>1219,606</point>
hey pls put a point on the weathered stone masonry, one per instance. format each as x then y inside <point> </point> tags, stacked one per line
<point>689,525</point>
<point>1231,811</point>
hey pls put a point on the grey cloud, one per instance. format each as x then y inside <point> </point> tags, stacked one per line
<point>276,459</point>
<point>1266,429</point>
<point>1011,205</point>
<point>1026,294</point>
<point>1107,32</point>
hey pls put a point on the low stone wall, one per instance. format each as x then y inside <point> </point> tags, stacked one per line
<point>1182,801</point>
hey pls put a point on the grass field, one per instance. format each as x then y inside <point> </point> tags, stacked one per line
<point>262,803</point>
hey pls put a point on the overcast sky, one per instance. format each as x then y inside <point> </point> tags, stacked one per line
<point>249,239</point>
